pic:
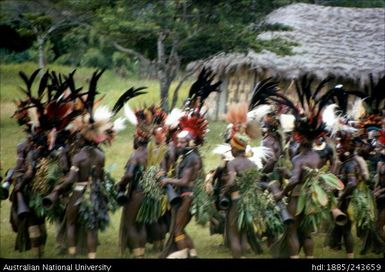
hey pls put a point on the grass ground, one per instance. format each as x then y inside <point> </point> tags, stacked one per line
<point>117,154</point>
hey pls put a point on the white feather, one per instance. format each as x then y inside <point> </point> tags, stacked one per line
<point>224,150</point>
<point>287,122</point>
<point>119,124</point>
<point>358,109</point>
<point>259,112</point>
<point>172,119</point>
<point>130,115</point>
<point>102,113</point>
<point>329,117</point>
<point>260,154</point>
<point>34,117</point>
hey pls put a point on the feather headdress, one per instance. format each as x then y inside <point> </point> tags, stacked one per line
<point>308,119</point>
<point>373,103</point>
<point>193,124</point>
<point>258,155</point>
<point>237,116</point>
<point>146,120</point>
<point>201,89</point>
<point>52,105</point>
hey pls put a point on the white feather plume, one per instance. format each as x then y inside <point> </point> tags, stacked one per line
<point>329,116</point>
<point>259,112</point>
<point>130,115</point>
<point>260,154</point>
<point>224,150</point>
<point>119,124</point>
<point>287,122</point>
<point>335,122</point>
<point>172,119</point>
<point>102,113</point>
<point>358,109</point>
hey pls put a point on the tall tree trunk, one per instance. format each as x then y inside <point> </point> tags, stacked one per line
<point>162,72</point>
<point>42,57</point>
<point>176,91</point>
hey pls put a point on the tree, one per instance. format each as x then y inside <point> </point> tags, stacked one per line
<point>168,34</point>
<point>42,18</point>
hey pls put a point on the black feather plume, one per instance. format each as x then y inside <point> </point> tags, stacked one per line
<point>262,91</point>
<point>126,96</point>
<point>203,87</point>
<point>92,92</point>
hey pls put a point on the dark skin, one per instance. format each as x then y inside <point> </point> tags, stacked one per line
<point>157,231</point>
<point>326,154</point>
<point>29,154</point>
<point>271,141</point>
<point>190,173</point>
<point>136,233</point>
<point>349,173</point>
<point>235,167</point>
<point>87,159</point>
<point>379,193</point>
<point>306,158</point>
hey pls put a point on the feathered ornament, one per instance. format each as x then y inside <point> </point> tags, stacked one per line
<point>173,117</point>
<point>308,118</point>
<point>259,155</point>
<point>262,91</point>
<point>358,109</point>
<point>237,117</point>
<point>126,96</point>
<point>259,112</point>
<point>330,117</point>
<point>373,95</point>
<point>381,137</point>
<point>224,150</point>
<point>287,122</point>
<point>130,115</point>
<point>194,125</point>
<point>201,89</point>
<point>53,103</point>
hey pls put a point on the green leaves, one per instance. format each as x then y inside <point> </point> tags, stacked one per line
<point>316,198</point>
<point>301,203</point>
<point>256,209</point>
<point>151,207</point>
<point>201,207</point>
<point>332,181</point>
<point>362,207</point>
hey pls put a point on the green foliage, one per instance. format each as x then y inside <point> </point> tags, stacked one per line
<point>7,56</point>
<point>362,208</point>
<point>256,208</point>
<point>354,3</point>
<point>98,200</point>
<point>153,204</point>
<point>202,207</point>
<point>93,57</point>
<point>317,199</point>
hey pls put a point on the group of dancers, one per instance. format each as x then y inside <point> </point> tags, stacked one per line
<point>292,163</point>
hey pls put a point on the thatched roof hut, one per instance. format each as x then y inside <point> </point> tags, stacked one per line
<point>348,43</point>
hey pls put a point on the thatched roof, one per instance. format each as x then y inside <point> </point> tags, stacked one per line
<point>345,42</point>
